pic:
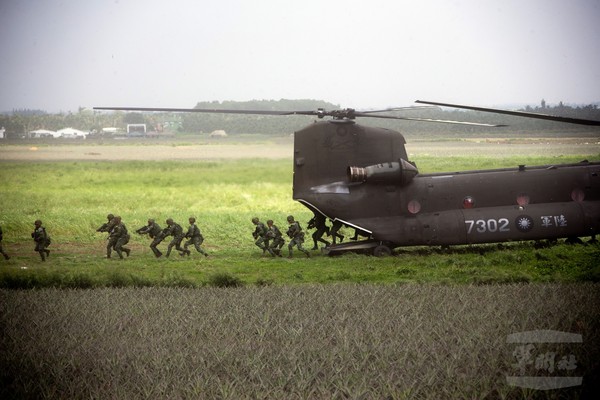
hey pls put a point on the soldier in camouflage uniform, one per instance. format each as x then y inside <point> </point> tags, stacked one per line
<point>1,249</point>
<point>155,232</point>
<point>333,232</point>
<point>318,222</point>
<point>275,237</point>
<point>296,235</point>
<point>41,239</point>
<point>120,237</point>
<point>108,225</point>
<point>175,230</point>
<point>260,235</point>
<point>195,237</point>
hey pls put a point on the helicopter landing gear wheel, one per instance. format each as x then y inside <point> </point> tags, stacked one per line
<point>382,251</point>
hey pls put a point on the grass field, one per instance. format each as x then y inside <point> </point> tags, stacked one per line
<point>423,323</point>
<point>73,198</point>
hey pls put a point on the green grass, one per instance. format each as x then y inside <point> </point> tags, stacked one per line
<point>293,342</point>
<point>73,198</point>
<point>424,323</point>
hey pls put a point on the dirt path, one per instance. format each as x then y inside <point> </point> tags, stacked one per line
<point>173,151</point>
<point>145,152</point>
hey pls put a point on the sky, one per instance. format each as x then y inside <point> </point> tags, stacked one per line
<point>59,55</point>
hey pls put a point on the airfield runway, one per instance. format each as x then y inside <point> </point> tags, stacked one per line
<point>282,149</point>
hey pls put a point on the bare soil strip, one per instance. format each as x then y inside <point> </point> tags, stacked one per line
<point>117,152</point>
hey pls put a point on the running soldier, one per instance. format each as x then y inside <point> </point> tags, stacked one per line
<point>155,232</point>
<point>260,235</point>
<point>275,237</point>
<point>6,257</point>
<point>41,239</point>
<point>318,221</point>
<point>120,237</point>
<point>108,225</point>
<point>333,232</point>
<point>195,237</point>
<point>175,230</point>
<point>296,235</point>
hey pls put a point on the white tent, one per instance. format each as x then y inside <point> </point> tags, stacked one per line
<point>71,133</point>
<point>40,133</point>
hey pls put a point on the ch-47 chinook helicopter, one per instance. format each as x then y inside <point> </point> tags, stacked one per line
<point>361,177</point>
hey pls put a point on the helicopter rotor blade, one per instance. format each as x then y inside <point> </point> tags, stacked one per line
<point>392,109</point>
<point>442,121</point>
<point>578,121</point>
<point>206,110</point>
<point>347,113</point>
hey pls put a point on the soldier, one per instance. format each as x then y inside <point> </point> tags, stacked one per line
<point>155,232</point>
<point>120,237</point>
<point>318,221</point>
<point>275,237</point>
<point>2,250</point>
<point>41,239</point>
<point>195,237</point>
<point>297,236</point>
<point>106,227</point>
<point>175,230</point>
<point>260,235</point>
<point>359,232</point>
<point>333,232</point>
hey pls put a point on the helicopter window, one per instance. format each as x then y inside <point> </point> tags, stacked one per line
<point>577,195</point>
<point>522,199</point>
<point>468,202</point>
<point>414,206</point>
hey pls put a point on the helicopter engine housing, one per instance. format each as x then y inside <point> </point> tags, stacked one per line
<point>394,172</point>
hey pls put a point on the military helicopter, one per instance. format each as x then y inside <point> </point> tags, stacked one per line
<point>361,177</point>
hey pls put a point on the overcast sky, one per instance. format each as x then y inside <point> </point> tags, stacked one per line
<point>58,55</point>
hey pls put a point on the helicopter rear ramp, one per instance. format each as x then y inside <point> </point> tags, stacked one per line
<point>362,246</point>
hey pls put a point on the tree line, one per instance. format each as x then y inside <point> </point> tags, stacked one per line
<point>18,123</point>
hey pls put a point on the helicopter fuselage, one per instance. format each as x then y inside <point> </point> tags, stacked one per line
<point>361,177</point>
